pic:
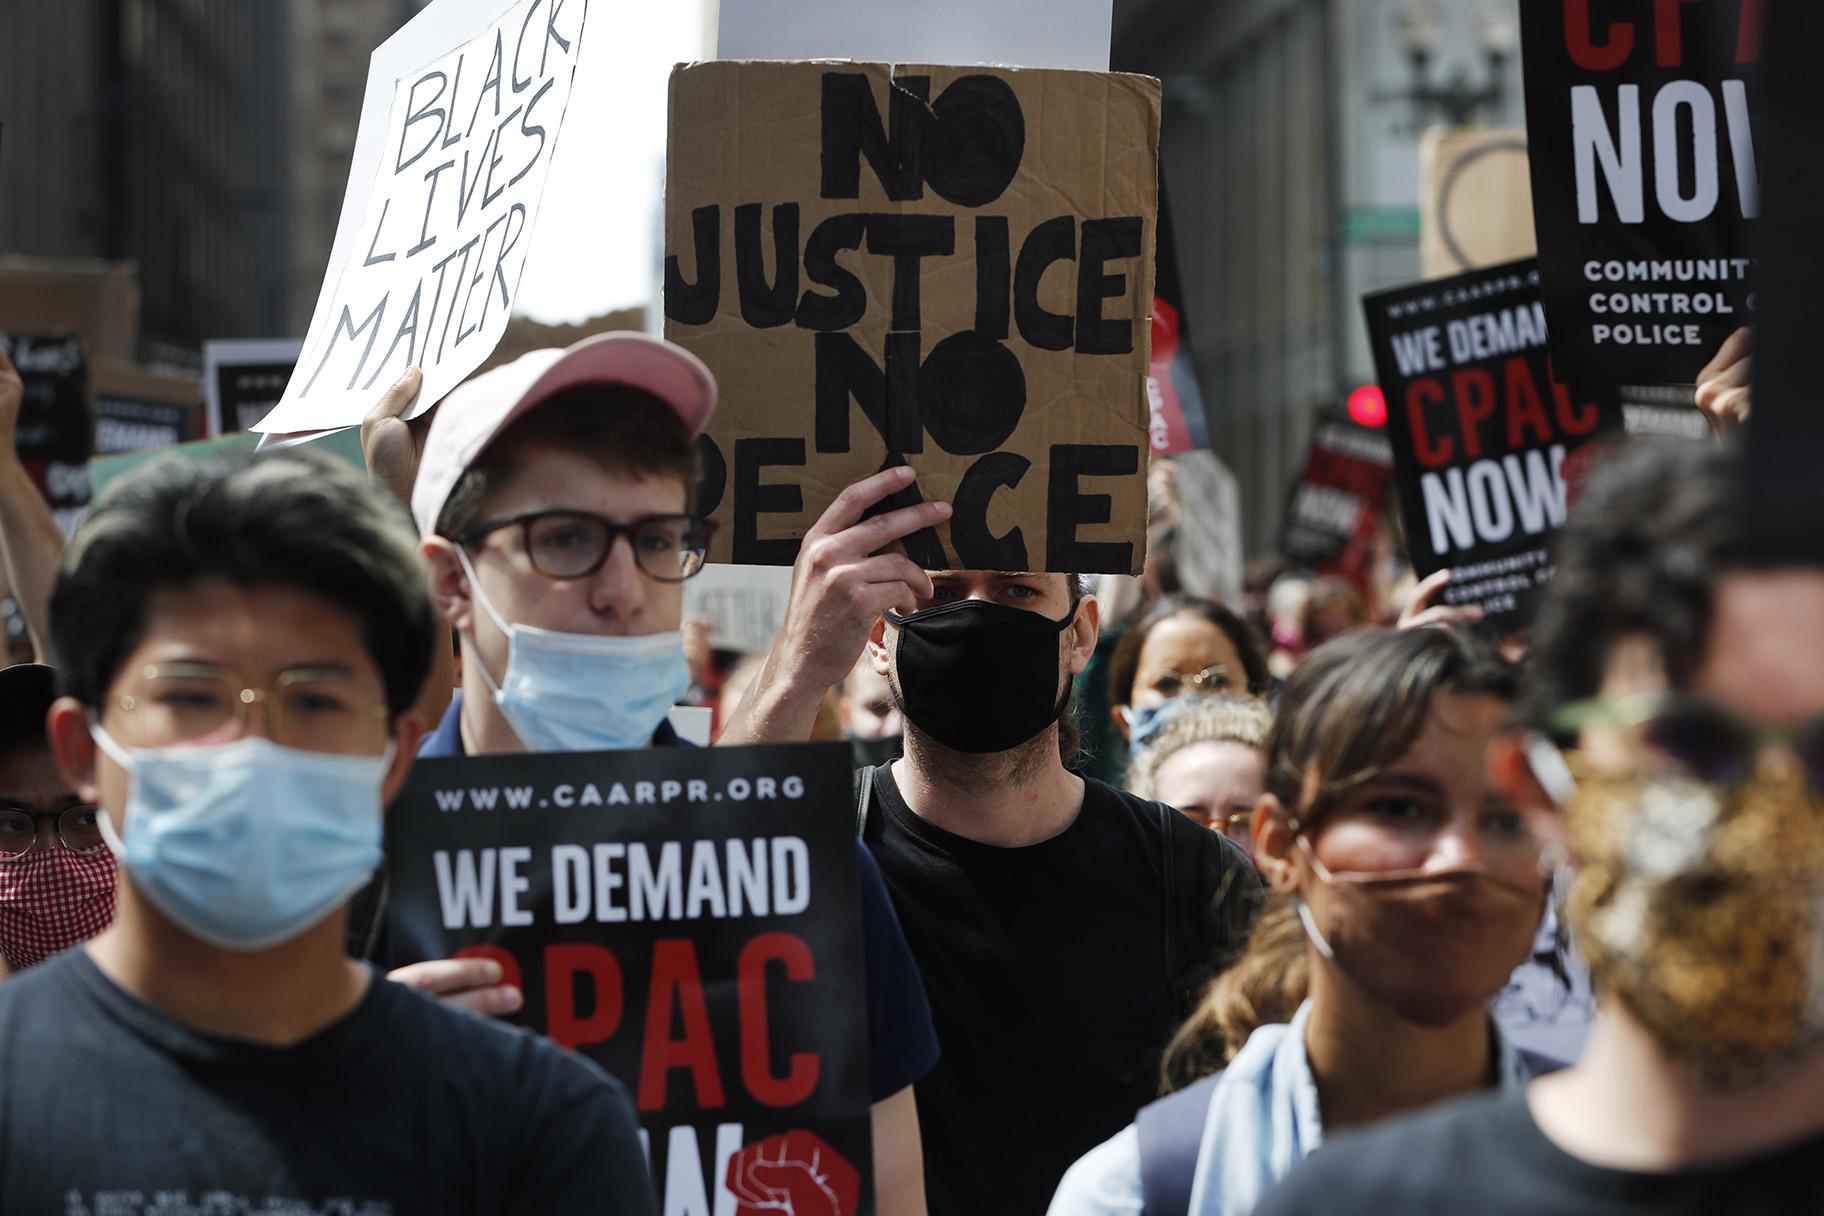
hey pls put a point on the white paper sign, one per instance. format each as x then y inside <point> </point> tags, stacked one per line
<point>745,605</point>
<point>1020,33</point>
<point>463,110</point>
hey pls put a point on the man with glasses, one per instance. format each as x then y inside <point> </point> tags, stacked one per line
<point>1680,705</point>
<point>554,496</point>
<point>242,640</point>
<point>56,873</point>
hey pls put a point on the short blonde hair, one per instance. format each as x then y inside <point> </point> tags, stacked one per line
<point>1209,719</point>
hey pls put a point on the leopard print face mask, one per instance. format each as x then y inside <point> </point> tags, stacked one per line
<point>1701,908</point>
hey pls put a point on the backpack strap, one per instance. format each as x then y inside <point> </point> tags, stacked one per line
<point>864,799</point>
<point>1171,1133</point>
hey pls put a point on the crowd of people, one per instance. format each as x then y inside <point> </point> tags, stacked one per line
<point>1321,937</point>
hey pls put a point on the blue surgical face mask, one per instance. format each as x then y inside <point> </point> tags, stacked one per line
<point>583,692</point>
<point>1144,725</point>
<point>245,845</point>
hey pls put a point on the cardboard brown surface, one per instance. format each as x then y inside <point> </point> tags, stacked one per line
<point>789,259</point>
<point>1475,199</point>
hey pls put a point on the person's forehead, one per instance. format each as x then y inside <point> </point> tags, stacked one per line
<point>1186,639</point>
<point>983,577</point>
<point>258,632</point>
<point>1764,654</point>
<point>542,477</point>
<point>29,776</point>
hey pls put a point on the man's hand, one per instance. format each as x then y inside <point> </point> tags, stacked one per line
<point>473,983</point>
<point>1725,388</point>
<point>391,444</point>
<point>1421,611</point>
<point>840,586</point>
<point>12,397</point>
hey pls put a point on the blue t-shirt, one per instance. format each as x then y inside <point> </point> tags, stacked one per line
<point>902,1043</point>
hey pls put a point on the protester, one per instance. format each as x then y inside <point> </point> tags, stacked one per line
<point>1686,688</point>
<point>531,476</point>
<point>1419,889</point>
<point>870,720</point>
<point>1332,608</point>
<point>1179,645</point>
<point>1209,762</point>
<point>33,544</point>
<point>1014,877</point>
<point>1285,613</point>
<point>242,641</point>
<point>56,874</point>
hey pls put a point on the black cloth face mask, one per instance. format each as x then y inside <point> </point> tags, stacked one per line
<point>978,676</point>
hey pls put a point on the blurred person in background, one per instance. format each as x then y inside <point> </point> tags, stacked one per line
<point>1177,646</point>
<point>1209,762</point>
<point>1418,887</point>
<point>871,720</point>
<point>1333,607</point>
<point>1286,621</point>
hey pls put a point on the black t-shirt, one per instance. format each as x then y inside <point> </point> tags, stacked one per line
<point>1047,971</point>
<point>404,1105</point>
<point>1486,1155</point>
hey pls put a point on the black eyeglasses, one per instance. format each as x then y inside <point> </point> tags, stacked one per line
<point>78,827</point>
<point>574,544</point>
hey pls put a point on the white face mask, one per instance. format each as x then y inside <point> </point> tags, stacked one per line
<point>246,844</point>
<point>582,692</point>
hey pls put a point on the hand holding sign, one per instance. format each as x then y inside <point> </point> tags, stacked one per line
<point>841,584</point>
<point>1725,388</point>
<point>1421,611</point>
<point>390,444</point>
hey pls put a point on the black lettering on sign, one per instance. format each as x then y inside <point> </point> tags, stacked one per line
<point>712,475</point>
<point>976,547</point>
<point>967,145</point>
<point>971,393</point>
<point>752,499</point>
<point>888,396</point>
<point>1068,509</point>
<point>1053,241</point>
<point>993,268</point>
<point>695,303</point>
<point>1104,240</point>
<point>922,546</point>
<point>906,239</point>
<point>765,305</point>
<point>850,299</point>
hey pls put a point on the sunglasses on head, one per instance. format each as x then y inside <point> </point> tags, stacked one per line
<point>1702,738</point>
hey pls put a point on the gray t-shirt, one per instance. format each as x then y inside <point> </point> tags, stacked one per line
<point>404,1105</point>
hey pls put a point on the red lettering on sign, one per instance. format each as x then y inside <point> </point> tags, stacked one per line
<point>1669,32</point>
<point>1525,409</point>
<point>1419,394</point>
<point>1574,419</point>
<point>1474,390</point>
<point>1748,35</point>
<point>756,1047</point>
<point>566,1025</point>
<point>676,979</point>
<point>1580,40</point>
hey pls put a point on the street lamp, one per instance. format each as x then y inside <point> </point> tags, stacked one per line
<point>1421,24</point>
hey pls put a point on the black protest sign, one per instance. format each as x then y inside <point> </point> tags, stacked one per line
<point>56,431</point>
<point>950,268</point>
<point>688,918</point>
<point>452,159</point>
<point>1336,505</point>
<point>1641,125</point>
<point>244,379</point>
<point>1484,439</point>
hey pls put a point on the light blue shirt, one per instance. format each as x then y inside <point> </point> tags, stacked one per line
<point>1263,1120</point>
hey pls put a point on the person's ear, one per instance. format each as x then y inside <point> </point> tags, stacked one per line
<point>1085,629</point>
<point>880,658</point>
<point>1123,719</point>
<point>1274,841</point>
<point>67,726</point>
<point>450,590</point>
<point>408,730</point>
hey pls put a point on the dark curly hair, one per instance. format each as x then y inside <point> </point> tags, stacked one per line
<point>1638,557</point>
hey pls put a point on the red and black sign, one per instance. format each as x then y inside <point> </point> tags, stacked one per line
<point>685,917</point>
<point>1646,180</point>
<point>1176,421</point>
<point>1485,441</point>
<point>1336,506</point>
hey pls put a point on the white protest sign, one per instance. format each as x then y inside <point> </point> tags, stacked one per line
<point>745,605</point>
<point>1027,33</point>
<point>461,118</point>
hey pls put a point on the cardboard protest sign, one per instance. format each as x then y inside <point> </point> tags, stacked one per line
<point>1645,180</point>
<point>462,115</point>
<point>1178,423</point>
<point>946,267</point>
<point>685,917</point>
<point>244,379</point>
<point>55,435</point>
<point>1484,439</point>
<point>1336,505</point>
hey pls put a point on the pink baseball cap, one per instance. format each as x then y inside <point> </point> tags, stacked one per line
<point>478,410</point>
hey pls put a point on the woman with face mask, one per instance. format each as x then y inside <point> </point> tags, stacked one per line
<point>1177,646</point>
<point>1405,890</point>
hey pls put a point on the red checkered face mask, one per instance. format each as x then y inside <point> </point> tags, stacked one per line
<point>51,899</point>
